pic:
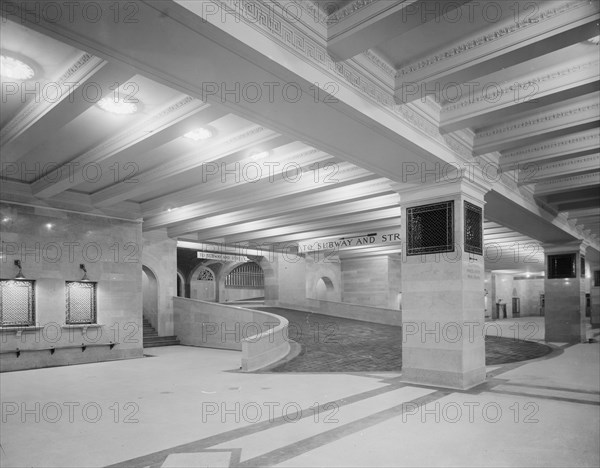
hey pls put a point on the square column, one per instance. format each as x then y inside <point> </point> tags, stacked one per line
<point>443,285</point>
<point>595,296</point>
<point>565,292</point>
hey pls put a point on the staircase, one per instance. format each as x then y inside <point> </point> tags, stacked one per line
<point>151,338</point>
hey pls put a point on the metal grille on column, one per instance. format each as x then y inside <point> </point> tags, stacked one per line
<point>430,228</point>
<point>561,266</point>
<point>473,229</point>
<point>17,303</point>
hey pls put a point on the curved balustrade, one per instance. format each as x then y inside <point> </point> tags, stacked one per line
<point>262,337</point>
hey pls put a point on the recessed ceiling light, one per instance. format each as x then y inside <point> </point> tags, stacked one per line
<point>199,134</point>
<point>15,69</point>
<point>117,105</point>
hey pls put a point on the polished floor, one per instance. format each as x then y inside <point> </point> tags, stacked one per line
<point>190,407</point>
<point>333,344</point>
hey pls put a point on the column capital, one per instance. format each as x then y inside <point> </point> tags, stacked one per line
<point>578,246</point>
<point>413,193</point>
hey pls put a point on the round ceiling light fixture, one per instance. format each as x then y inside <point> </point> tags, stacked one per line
<point>199,134</point>
<point>117,105</point>
<point>13,68</point>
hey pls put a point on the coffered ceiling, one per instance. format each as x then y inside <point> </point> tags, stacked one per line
<point>323,161</point>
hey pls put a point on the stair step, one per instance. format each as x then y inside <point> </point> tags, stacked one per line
<point>151,338</point>
<point>156,345</point>
<point>161,341</point>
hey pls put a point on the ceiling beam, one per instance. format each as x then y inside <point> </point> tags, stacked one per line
<point>153,132</point>
<point>486,104</point>
<point>300,207</point>
<point>211,228</point>
<point>226,153</point>
<point>212,55</point>
<point>20,192</point>
<point>574,115</point>
<point>548,29</point>
<point>270,196</point>
<point>553,149</point>
<point>584,213</point>
<point>567,184</point>
<point>23,131</point>
<point>215,189</point>
<point>303,232</point>
<point>59,114</point>
<point>361,26</point>
<point>327,222</point>
<point>534,173</point>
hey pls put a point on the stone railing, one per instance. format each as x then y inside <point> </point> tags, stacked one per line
<point>262,337</point>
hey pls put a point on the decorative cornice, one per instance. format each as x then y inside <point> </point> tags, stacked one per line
<point>243,135</point>
<point>547,146</point>
<point>534,121</point>
<point>347,11</point>
<point>380,63</point>
<point>289,36</point>
<point>515,26</point>
<point>178,105</point>
<point>576,178</point>
<point>571,162</point>
<point>304,154</point>
<point>311,8</point>
<point>513,89</point>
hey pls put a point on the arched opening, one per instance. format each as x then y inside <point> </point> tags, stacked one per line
<point>203,285</point>
<point>180,285</point>
<point>244,282</point>
<point>324,288</point>
<point>150,296</point>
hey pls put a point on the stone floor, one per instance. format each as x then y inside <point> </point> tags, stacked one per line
<point>332,344</point>
<point>189,407</point>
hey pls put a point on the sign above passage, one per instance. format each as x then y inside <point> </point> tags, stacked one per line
<point>222,257</point>
<point>343,243</point>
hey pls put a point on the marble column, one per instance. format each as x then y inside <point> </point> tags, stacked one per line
<point>442,287</point>
<point>565,293</point>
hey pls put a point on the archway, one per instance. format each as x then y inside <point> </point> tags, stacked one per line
<point>203,284</point>
<point>324,288</point>
<point>180,284</point>
<point>242,281</point>
<point>150,296</point>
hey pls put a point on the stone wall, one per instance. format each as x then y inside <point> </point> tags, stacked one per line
<point>159,255</point>
<point>529,290</point>
<point>372,281</point>
<point>51,244</point>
